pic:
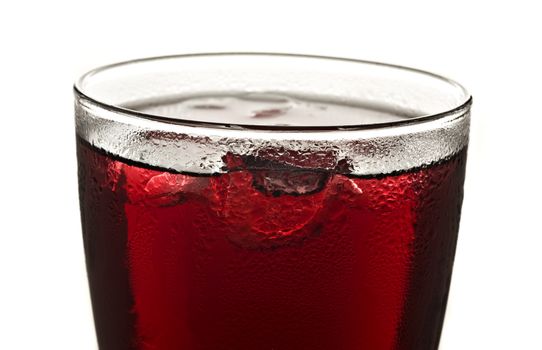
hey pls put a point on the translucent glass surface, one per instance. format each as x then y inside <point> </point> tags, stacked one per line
<point>186,113</point>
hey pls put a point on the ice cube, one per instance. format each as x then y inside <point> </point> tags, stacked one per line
<point>256,220</point>
<point>158,188</point>
<point>291,182</point>
<point>274,174</point>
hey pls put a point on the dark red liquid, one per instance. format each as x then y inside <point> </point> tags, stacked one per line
<point>268,260</point>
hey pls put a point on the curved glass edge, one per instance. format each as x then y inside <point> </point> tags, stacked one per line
<point>79,92</point>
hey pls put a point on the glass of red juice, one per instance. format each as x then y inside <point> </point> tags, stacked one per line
<point>269,202</point>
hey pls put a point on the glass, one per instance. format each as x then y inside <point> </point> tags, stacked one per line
<point>269,201</point>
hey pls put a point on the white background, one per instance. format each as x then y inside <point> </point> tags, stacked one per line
<point>488,46</point>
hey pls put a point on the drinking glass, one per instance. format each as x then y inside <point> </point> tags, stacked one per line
<point>269,201</point>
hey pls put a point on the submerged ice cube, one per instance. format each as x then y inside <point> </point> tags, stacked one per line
<point>160,188</point>
<point>256,219</point>
<point>278,182</point>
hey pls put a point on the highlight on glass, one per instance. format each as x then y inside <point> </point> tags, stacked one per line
<point>269,201</point>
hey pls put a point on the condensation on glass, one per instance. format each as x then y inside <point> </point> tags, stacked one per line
<point>420,117</point>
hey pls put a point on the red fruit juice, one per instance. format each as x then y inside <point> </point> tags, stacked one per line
<point>267,256</point>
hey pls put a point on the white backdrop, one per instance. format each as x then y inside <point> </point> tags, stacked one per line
<point>495,300</point>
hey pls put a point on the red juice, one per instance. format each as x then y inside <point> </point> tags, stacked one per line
<point>267,256</point>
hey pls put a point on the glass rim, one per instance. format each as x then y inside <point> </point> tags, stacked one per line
<point>458,108</point>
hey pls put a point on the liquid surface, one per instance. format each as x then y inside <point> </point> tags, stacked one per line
<point>267,256</point>
<point>269,109</point>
